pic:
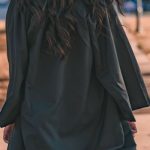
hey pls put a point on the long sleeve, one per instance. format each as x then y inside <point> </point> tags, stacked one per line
<point>132,76</point>
<point>115,64</point>
<point>17,55</point>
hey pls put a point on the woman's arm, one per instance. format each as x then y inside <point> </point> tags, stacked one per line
<point>17,55</point>
<point>116,67</point>
<point>132,76</point>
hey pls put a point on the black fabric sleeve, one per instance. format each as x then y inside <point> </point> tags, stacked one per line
<point>107,66</point>
<point>115,64</point>
<point>17,55</point>
<point>131,72</point>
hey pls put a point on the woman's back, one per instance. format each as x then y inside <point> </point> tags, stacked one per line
<point>77,101</point>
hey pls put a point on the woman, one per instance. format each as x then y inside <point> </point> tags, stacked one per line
<point>74,80</point>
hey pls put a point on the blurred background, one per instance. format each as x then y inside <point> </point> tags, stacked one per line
<point>136,21</point>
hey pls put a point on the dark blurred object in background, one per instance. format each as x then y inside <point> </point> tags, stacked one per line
<point>130,5</point>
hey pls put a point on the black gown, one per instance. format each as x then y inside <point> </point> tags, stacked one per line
<point>80,103</point>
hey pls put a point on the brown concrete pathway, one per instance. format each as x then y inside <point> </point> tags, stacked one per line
<point>2,26</point>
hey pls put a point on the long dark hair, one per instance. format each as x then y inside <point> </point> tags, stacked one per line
<point>61,20</point>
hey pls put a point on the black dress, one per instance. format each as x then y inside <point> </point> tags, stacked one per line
<point>80,103</point>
